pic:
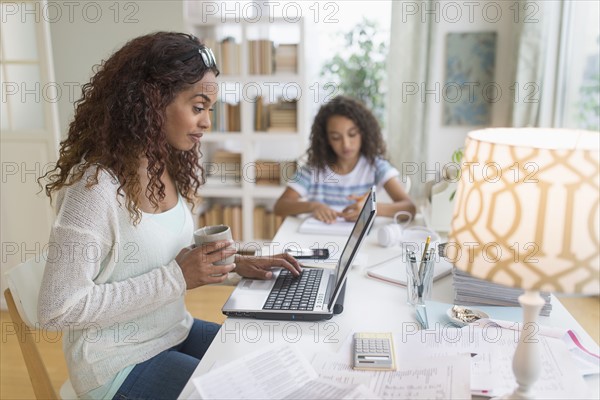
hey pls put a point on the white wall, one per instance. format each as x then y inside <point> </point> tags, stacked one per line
<point>84,33</point>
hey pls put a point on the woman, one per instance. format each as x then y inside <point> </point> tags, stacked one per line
<point>120,263</point>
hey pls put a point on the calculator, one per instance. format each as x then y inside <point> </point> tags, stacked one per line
<point>374,351</point>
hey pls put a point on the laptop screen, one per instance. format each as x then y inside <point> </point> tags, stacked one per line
<point>362,225</point>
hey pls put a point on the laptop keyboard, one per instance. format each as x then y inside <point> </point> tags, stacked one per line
<point>294,293</point>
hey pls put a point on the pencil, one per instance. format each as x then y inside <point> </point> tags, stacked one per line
<point>363,197</point>
<point>423,262</point>
<point>426,248</point>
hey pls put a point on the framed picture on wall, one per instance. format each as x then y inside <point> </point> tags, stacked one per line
<point>469,89</point>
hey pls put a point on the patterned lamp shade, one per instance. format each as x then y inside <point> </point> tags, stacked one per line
<point>527,209</point>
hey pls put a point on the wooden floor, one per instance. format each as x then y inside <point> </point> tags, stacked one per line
<point>204,303</point>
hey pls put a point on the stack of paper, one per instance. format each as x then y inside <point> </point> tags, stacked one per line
<point>473,291</point>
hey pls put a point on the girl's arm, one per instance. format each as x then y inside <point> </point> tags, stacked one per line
<point>289,203</point>
<point>400,200</point>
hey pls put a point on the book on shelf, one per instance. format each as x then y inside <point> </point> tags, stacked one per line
<point>286,59</point>
<point>281,116</point>
<point>260,54</point>
<point>225,168</point>
<point>226,117</point>
<point>230,56</point>
<point>259,217</point>
<point>218,214</point>
<point>266,223</point>
<point>268,172</point>
<point>260,115</point>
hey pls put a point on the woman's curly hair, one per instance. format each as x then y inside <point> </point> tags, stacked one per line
<point>120,117</point>
<point>320,154</point>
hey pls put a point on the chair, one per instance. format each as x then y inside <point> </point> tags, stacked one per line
<point>24,283</point>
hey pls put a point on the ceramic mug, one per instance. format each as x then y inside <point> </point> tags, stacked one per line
<point>214,233</point>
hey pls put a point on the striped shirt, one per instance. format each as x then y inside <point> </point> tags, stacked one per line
<point>330,188</point>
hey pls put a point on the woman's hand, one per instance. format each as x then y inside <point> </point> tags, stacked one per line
<point>197,264</point>
<point>324,213</point>
<point>259,267</point>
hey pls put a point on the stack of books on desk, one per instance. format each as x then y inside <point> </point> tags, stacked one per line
<point>470,291</point>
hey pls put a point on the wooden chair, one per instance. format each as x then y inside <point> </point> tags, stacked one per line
<point>24,283</point>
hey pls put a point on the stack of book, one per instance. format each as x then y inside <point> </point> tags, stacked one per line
<point>286,59</point>
<point>472,291</point>
<point>266,223</point>
<point>226,117</point>
<point>230,215</point>
<point>268,172</point>
<point>282,116</point>
<point>274,172</point>
<point>224,169</point>
<point>260,54</point>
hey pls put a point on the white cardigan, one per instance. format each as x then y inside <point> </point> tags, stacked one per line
<point>113,288</point>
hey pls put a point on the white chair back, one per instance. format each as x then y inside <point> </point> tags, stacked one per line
<point>24,281</point>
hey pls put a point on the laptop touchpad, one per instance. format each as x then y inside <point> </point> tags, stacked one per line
<point>256,284</point>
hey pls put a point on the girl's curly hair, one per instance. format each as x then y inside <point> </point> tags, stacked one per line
<point>120,117</point>
<point>320,154</point>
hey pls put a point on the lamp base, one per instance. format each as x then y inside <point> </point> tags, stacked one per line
<point>526,361</point>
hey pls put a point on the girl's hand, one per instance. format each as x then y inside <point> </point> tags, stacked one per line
<point>352,212</point>
<point>259,267</point>
<point>324,213</point>
<point>197,264</point>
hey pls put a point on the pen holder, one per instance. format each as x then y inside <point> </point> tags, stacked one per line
<point>419,277</point>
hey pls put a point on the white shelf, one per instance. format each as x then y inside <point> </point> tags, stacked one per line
<point>253,145</point>
<point>211,190</point>
<point>268,192</point>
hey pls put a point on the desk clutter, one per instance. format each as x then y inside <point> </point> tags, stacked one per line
<point>438,363</point>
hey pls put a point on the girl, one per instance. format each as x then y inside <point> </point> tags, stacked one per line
<point>120,262</point>
<point>345,159</point>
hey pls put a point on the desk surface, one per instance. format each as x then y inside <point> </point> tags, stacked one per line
<point>370,305</point>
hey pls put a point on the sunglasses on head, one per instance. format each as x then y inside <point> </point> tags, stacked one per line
<point>208,58</point>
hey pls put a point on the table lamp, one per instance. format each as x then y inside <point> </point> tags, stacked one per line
<point>527,216</point>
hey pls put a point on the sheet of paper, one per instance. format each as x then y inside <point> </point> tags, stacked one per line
<point>491,365</point>
<point>266,374</point>
<point>339,228</point>
<point>444,377</point>
<point>328,389</point>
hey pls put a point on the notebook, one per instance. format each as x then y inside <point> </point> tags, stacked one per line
<point>393,270</point>
<point>316,291</point>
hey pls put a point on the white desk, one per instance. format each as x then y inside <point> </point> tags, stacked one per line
<point>369,305</point>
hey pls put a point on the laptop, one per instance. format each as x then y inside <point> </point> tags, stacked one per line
<point>310,297</point>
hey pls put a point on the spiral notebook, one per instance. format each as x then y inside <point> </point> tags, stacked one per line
<point>393,270</point>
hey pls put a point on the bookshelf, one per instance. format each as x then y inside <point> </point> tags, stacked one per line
<point>259,127</point>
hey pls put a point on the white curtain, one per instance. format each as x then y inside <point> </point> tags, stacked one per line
<point>408,69</point>
<point>537,54</point>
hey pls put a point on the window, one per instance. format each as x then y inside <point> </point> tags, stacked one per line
<point>580,82</point>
